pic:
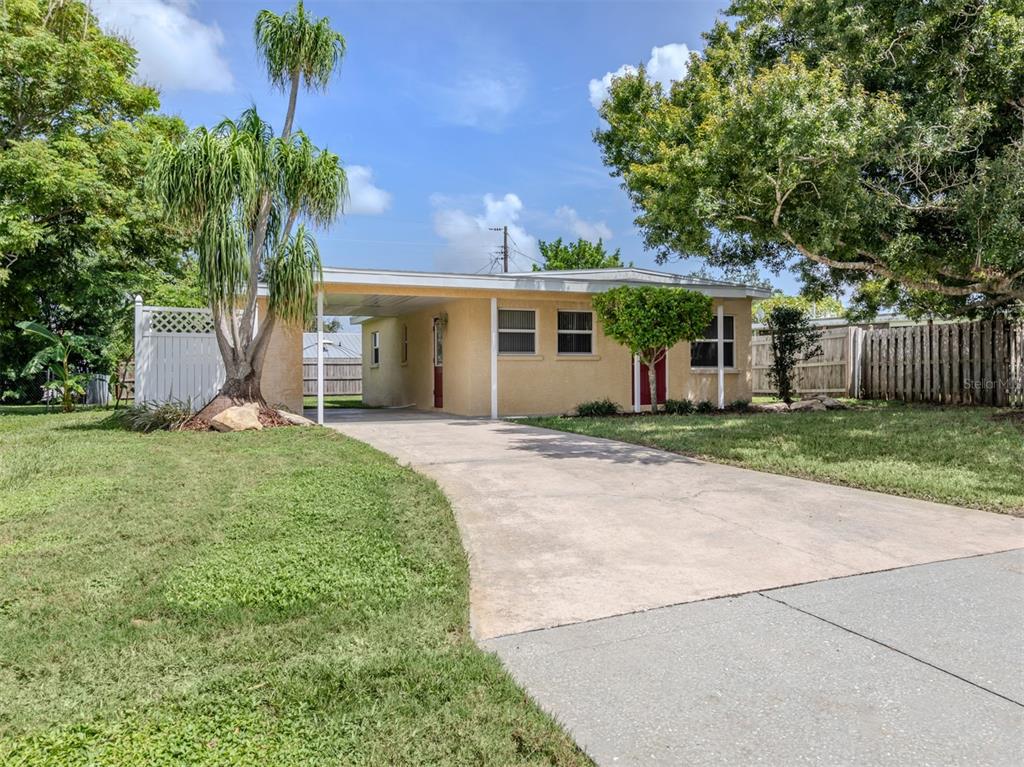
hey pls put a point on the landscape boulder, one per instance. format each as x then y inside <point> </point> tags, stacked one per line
<point>295,420</point>
<point>770,407</point>
<point>829,402</point>
<point>238,418</point>
<point>808,404</point>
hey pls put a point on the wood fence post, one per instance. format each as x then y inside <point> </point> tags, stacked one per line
<point>1000,382</point>
<point>986,362</point>
<point>965,363</point>
<point>954,363</point>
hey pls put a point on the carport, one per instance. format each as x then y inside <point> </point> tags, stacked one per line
<point>534,335</point>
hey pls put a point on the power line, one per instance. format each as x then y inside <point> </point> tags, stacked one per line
<point>527,256</point>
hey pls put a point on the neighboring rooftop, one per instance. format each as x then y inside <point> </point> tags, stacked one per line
<point>336,345</point>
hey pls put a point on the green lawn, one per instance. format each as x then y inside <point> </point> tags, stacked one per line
<point>963,456</point>
<point>336,400</point>
<point>289,597</point>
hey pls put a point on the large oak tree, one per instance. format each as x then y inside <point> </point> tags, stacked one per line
<point>876,144</point>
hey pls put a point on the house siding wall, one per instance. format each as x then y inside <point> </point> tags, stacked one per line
<point>281,382</point>
<point>540,384</point>
<point>702,384</point>
<point>466,359</point>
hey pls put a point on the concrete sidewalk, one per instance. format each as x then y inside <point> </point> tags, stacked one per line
<point>917,666</point>
<point>562,528</point>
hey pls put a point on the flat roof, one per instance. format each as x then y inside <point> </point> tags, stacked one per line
<point>568,281</point>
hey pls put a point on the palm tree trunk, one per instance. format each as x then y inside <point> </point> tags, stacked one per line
<point>243,389</point>
<point>238,389</point>
<point>293,94</point>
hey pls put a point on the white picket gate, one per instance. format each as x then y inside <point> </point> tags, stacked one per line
<point>176,355</point>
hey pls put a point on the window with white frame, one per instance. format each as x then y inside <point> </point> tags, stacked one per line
<point>575,332</point>
<point>405,344</point>
<point>704,353</point>
<point>375,347</point>
<point>517,331</point>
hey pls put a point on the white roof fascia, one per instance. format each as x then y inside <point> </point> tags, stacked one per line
<point>584,281</point>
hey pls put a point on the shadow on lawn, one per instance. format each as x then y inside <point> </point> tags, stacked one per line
<point>956,455</point>
<point>111,423</point>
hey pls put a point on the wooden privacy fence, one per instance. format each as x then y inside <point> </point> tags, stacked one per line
<point>342,375</point>
<point>979,363</point>
<point>827,373</point>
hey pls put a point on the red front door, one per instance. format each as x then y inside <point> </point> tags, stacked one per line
<point>438,363</point>
<point>659,384</point>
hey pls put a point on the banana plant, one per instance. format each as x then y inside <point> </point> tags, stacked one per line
<point>56,357</point>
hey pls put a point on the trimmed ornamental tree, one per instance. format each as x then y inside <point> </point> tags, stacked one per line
<point>794,340</point>
<point>248,195</point>
<point>649,320</point>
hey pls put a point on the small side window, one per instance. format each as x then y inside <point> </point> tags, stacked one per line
<point>575,332</point>
<point>517,331</point>
<point>375,347</point>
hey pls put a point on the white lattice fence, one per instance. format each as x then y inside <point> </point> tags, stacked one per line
<point>176,355</point>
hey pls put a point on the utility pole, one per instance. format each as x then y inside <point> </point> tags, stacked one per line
<point>504,246</point>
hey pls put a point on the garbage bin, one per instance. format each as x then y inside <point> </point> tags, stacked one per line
<point>98,390</point>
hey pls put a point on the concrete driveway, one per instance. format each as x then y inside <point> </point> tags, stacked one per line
<point>562,528</point>
<point>604,575</point>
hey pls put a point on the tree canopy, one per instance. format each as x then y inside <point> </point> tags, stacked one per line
<point>77,235</point>
<point>582,254</point>
<point>812,306</point>
<point>649,320</point>
<point>876,145</point>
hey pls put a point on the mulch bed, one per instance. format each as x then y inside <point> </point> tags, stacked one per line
<point>269,418</point>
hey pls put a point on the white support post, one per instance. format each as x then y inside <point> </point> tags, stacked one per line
<point>138,350</point>
<point>494,358</point>
<point>636,383</point>
<point>721,357</point>
<point>320,357</point>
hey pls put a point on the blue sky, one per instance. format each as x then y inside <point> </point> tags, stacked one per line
<point>450,117</point>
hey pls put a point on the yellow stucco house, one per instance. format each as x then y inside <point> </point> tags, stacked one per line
<point>499,345</point>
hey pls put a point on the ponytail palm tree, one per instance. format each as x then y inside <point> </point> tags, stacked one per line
<point>248,195</point>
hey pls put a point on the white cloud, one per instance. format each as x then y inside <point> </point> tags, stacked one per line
<point>364,197</point>
<point>588,230</point>
<point>481,100</point>
<point>176,51</point>
<point>471,246</point>
<point>667,63</point>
